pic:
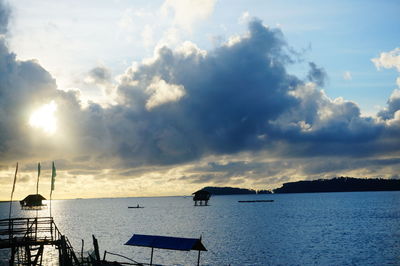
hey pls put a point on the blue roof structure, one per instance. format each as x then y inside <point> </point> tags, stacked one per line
<point>166,242</point>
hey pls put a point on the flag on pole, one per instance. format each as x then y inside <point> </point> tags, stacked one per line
<point>53,176</point>
<point>15,179</point>
<point>12,192</point>
<point>37,184</point>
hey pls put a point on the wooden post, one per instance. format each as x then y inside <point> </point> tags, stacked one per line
<point>12,255</point>
<point>83,243</point>
<point>63,259</point>
<point>198,259</point>
<point>50,202</point>
<point>36,224</point>
<point>28,255</point>
<point>96,248</point>
<point>151,258</point>
<point>41,257</point>
<point>38,254</point>
<point>51,229</point>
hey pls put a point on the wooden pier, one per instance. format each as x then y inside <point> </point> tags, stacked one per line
<point>27,237</point>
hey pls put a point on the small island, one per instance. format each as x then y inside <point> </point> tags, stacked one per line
<point>336,184</point>
<point>340,184</point>
<point>228,190</point>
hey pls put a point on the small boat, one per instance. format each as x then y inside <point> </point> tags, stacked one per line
<point>135,207</point>
<point>247,201</point>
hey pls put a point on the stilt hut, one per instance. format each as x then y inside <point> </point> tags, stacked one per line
<point>32,202</point>
<point>200,197</point>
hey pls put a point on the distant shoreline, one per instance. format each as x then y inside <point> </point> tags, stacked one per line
<point>340,184</point>
<point>337,184</point>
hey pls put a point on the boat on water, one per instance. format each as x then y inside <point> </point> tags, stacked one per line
<point>135,207</point>
<point>249,201</point>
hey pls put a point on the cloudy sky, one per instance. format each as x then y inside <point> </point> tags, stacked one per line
<point>157,98</point>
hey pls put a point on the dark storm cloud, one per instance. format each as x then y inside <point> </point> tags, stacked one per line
<point>316,74</point>
<point>341,165</point>
<point>252,170</point>
<point>238,97</point>
<point>186,104</point>
<point>393,106</point>
<point>231,94</point>
<point>238,171</point>
<point>5,12</point>
<point>23,85</point>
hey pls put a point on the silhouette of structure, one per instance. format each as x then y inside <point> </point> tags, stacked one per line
<point>27,237</point>
<point>32,202</point>
<point>200,197</point>
<point>167,242</point>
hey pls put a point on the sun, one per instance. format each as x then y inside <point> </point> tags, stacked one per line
<point>44,118</point>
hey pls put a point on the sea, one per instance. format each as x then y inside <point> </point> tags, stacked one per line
<point>348,228</point>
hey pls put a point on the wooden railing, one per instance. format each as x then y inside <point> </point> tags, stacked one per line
<point>32,229</point>
<point>17,232</point>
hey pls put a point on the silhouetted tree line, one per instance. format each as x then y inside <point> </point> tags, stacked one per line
<point>340,184</point>
<point>228,190</point>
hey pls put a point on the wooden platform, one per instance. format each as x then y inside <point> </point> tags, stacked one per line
<point>26,238</point>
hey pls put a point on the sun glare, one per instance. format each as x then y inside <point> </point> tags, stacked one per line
<point>44,118</point>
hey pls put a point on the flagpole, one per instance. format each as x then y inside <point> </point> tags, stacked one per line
<point>37,183</point>
<point>53,177</point>
<point>37,187</point>
<point>51,192</point>
<point>12,191</point>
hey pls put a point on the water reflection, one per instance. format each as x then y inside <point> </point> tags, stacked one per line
<point>321,229</point>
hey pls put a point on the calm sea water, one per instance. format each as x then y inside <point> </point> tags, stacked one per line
<point>360,228</point>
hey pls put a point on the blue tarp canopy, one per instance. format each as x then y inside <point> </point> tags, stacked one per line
<point>166,242</point>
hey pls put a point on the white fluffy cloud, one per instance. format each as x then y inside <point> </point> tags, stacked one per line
<point>186,13</point>
<point>388,59</point>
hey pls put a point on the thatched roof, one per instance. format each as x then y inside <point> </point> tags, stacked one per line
<point>32,200</point>
<point>33,197</point>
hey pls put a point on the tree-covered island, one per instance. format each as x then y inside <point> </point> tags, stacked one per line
<point>337,184</point>
<point>340,184</point>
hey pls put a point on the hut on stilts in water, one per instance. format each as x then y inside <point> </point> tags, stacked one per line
<point>200,197</point>
<point>32,202</point>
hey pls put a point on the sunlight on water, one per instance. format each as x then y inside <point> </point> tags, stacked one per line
<point>296,229</point>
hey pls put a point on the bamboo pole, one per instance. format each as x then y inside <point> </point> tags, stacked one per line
<point>12,191</point>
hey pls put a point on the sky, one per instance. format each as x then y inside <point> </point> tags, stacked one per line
<point>161,98</point>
